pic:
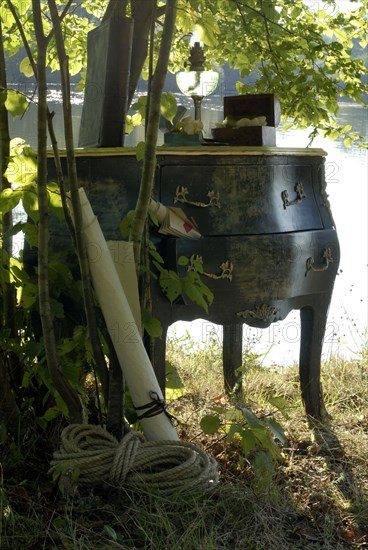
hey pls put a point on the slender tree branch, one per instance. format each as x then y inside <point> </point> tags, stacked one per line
<point>68,394</point>
<point>76,207</point>
<point>149,163</point>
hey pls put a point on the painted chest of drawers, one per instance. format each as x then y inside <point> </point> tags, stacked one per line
<point>268,243</point>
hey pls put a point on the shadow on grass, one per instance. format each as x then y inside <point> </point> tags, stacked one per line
<point>340,467</point>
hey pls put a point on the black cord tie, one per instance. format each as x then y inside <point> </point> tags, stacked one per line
<point>155,407</point>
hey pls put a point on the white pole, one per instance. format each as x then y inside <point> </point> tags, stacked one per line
<point>125,335</point>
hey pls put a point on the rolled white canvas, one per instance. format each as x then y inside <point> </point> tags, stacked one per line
<point>128,344</point>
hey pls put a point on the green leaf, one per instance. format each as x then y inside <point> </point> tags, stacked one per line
<point>54,199</point>
<point>9,198</point>
<point>248,441</point>
<point>210,423</point>
<point>126,224</point>
<point>266,442</point>
<point>140,149</point>
<point>276,429</point>
<point>131,121</point>
<point>207,30</point>
<point>151,324</point>
<point>31,234</point>
<point>183,260</point>
<point>251,418</point>
<point>28,295</point>
<point>170,284</point>
<point>21,170</point>
<point>75,67</point>
<point>16,103</point>
<point>281,404</point>
<point>234,429</point>
<point>26,68</point>
<point>168,106</point>
<point>30,202</point>
<point>61,404</point>
<point>51,413</point>
<point>140,106</point>
<point>195,294</point>
<point>71,370</point>
<point>153,252</point>
<point>111,533</point>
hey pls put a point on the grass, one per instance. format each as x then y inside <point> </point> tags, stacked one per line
<point>315,497</point>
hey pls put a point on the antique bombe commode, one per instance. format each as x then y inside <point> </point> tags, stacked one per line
<point>269,243</point>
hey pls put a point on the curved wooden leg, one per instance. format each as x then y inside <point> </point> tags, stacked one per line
<point>232,355</point>
<point>313,323</point>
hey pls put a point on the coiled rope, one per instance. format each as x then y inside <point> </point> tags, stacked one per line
<point>98,457</point>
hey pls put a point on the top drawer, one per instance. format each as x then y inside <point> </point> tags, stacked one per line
<point>243,199</point>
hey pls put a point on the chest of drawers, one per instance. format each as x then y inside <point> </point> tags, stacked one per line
<point>268,243</point>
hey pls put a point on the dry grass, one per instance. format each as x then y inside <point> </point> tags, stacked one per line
<point>316,498</point>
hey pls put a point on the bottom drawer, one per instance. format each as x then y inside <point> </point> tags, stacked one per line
<point>248,273</point>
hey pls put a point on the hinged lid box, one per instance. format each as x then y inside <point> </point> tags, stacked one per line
<point>250,106</point>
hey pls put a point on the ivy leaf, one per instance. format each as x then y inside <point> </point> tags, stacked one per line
<point>151,324</point>
<point>195,294</point>
<point>170,284</point>
<point>183,260</point>
<point>210,423</point>
<point>16,103</point>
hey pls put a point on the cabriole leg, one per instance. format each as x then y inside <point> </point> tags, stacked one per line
<point>313,323</point>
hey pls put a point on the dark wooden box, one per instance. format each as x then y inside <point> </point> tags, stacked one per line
<point>250,106</point>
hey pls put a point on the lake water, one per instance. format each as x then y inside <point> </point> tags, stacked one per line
<point>347,184</point>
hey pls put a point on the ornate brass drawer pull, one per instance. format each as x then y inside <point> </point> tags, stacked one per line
<point>226,268</point>
<point>300,195</point>
<point>327,257</point>
<point>263,312</point>
<point>181,196</point>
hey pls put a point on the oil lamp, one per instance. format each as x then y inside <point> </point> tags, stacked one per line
<point>197,83</point>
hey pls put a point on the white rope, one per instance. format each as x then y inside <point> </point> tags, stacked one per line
<point>168,466</point>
